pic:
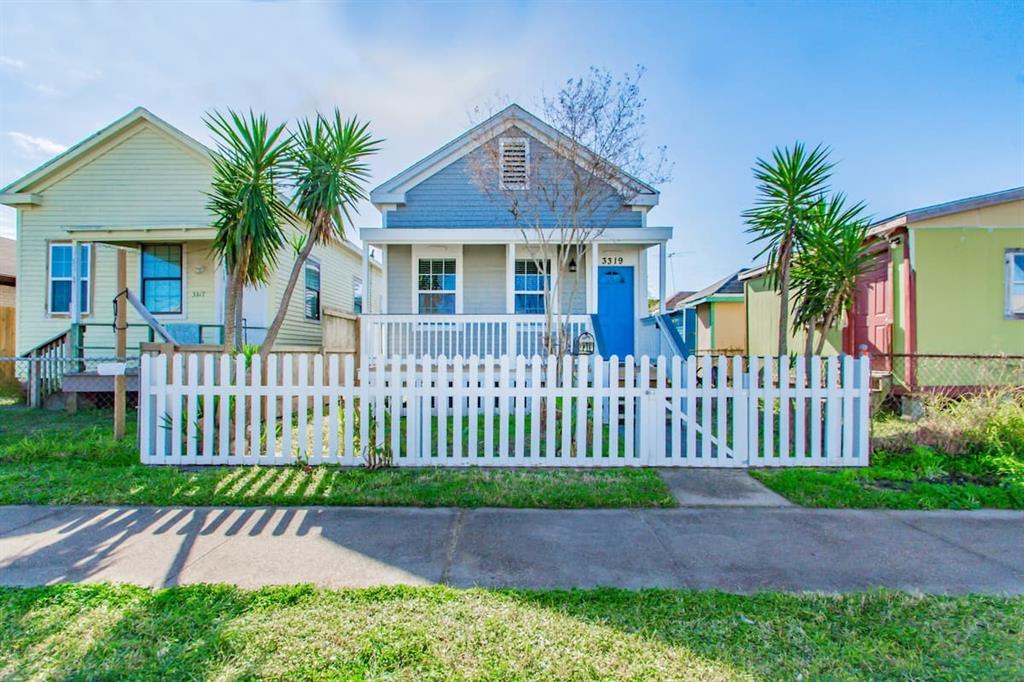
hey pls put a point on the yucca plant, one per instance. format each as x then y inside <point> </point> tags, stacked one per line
<point>328,171</point>
<point>789,185</point>
<point>832,256</point>
<point>249,160</point>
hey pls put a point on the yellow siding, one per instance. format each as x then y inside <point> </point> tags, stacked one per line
<point>762,313</point>
<point>7,296</point>
<point>703,328</point>
<point>339,265</point>
<point>142,177</point>
<point>730,333</point>
<point>1009,214</point>
<point>961,291</point>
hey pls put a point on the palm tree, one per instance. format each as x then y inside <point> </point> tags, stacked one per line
<point>249,159</point>
<point>328,171</point>
<point>788,186</point>
<point>832,257</point>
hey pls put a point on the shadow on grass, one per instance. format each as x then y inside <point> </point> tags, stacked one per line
<point>207,632</point>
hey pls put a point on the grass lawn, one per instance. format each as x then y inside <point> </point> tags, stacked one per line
<point>437,633</point>
<point>921,479</point>
<point>56,458</point>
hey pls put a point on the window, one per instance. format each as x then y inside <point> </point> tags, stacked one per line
<point>532,278</point>
<point>60,277</point>
<point>435,285</point>
<point>312,291</point>
<point>357,295</point>
<point>515,162</point>
<point>161,278</point>
<point>1015,284</point>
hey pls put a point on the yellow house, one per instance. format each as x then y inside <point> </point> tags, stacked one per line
<point>139,185</point>
<point>720,318</point>
<point>942,303</point>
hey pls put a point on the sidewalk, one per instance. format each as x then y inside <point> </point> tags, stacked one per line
<point>733,549</point>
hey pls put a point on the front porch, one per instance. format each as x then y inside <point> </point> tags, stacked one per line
<point>485,291</point>
<point>463,335</point>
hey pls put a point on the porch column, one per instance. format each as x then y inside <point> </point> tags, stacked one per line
<point>510,298</point>
<point>510,278</point>
<point>384,280</point>
<point>76,283</point>
<point>592,261</point>
<point>76,297</point>
<point>121,341</point>
<point>75,332</point>
<point>367,283</point>
<point>662,266</point>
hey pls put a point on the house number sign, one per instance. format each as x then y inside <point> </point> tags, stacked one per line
<point>585,344</point>
<point>612,260</point>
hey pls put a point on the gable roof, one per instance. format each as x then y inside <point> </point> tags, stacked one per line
<point>729,286</point>
<point>24,184</point>
<point>675,299</point>
<point>947,208</point>
<point>393,191</point>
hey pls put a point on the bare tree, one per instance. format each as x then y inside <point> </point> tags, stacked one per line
<point>563,193</point>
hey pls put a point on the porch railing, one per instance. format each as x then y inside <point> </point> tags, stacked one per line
<point>451,335</point>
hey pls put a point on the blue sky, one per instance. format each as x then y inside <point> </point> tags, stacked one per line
<point>921,102</point>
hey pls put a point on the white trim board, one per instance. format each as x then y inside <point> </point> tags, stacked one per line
<point>504,235</point>
<point>436,251</point>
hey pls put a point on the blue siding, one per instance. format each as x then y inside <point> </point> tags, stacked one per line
<point>450,198</point>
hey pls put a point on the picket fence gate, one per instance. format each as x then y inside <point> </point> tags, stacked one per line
<point>541,411</point>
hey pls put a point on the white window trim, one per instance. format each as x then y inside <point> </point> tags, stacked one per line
<point>183,315</point>
<point>541,293</point>
<point>1008,312</point>
<point>525,142</point>
<point>312,262</point>
<point>87,304</point>
<point>427,252</point>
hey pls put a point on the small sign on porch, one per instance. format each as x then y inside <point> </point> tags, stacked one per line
<point>585,344</point>
<point>110,369</point>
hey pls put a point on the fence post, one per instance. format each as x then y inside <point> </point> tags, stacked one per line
<point>145,445</point>
<point>739,414</point>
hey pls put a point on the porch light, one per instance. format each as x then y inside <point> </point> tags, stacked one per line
<point>572,265</point>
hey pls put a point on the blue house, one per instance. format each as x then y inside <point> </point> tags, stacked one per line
<point>469,233</point>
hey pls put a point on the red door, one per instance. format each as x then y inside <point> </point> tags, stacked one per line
<point>872,313</point>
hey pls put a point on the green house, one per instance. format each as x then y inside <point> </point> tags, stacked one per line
<point>942,307</point>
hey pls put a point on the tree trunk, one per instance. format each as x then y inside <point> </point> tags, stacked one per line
<point>282,308</point>
<point>784,256</point>
<point>231,305</point>
<point>809,341</point>
<point>239,340</point>
<point>826,325</point>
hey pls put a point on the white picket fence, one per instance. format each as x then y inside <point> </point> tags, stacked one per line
<point>539,411</point>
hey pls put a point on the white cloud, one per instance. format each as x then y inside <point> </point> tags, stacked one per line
<point>11,62</point>
<point>36,146</point>
<point>43,88</point>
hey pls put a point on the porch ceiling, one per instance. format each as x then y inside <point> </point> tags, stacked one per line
<point>109,234</point>
<point>503,235</point>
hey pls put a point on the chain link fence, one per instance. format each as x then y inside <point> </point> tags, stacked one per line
<point>955,375</point>
<point>57,382</point>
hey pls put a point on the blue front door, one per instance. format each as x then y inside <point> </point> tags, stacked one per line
<point>615,313</point>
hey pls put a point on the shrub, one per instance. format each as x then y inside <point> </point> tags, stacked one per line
<point>990,423</point>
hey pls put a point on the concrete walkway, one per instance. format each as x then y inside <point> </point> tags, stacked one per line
<point>732,549</point>
<point>719,488</point>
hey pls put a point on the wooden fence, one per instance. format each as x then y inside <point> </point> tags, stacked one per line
<point>571,412</point>
<point>7,344</point>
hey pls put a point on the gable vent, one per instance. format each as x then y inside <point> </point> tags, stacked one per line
<point>515,163</point>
